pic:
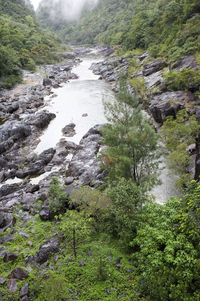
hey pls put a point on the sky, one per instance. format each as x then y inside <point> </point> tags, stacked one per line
<point>35,3</point>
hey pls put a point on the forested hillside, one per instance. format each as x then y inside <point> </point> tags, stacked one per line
<point>23,43</point>
<point>167,27</point>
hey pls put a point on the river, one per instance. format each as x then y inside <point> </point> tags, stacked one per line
<point>80,102</point>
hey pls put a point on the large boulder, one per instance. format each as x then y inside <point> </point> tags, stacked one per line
<point>19,274</point>
<point>46,249</point>
<point>153,67</point>
<point>36,167</point>
<point>85,165</point>
<point>168,104</point>
<point>188,62</point>
<point>68,55</point>
<point>42,119</point>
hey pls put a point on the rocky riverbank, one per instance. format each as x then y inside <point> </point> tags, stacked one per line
<point>160,94</point>
<point>24,175</point>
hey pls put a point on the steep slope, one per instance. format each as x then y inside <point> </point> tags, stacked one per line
<point>169,28</point>
<point>23,43</point>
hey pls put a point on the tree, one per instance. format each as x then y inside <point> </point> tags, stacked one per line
<point>121,217</point>
<point>166,259</point>
<point>131,141</point>
<point>178,135</point>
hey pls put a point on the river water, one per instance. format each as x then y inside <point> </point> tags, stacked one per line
<point>81,102</point>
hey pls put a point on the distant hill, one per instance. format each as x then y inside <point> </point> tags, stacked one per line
<point>169,28</point>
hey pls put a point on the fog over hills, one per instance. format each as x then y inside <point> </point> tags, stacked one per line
<point>65,9</point>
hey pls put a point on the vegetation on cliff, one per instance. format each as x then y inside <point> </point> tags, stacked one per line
<point>168,28</point>
<point>23,43</point>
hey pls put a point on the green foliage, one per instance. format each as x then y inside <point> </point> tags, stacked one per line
<point>189,217</point>
<point>178,134</point>
<point>121,217</point>
<point>23,43</point>
<point>185,79</point>
<point>92,202</point>
<point>58,199</point>
<point>166,259</point>
<point>168,28</point>
<point>132,142</point>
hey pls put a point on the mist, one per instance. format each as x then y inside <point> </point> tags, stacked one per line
<point>70,10</point>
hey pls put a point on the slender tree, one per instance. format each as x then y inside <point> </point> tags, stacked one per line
<point>131,141</point>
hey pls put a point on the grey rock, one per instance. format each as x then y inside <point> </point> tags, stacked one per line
<point>153,67</point>
<point>69,180</point>
<point>168,104</point>
<point>46,249</point>
<point>25,298</point>
<point>6,238</point>
<point>18,273</point>
<point>42,119</point>
<point>9,256</point>
<point>68,55</point>
<point>85,165</point>
<point>69,130</point>
<point>47,82</point>
<point>12,285</point>
<point>24,290</point>
<point>188,62</point>
<point>6,220</point>
<point>45,213</point>
<point>2,280</point>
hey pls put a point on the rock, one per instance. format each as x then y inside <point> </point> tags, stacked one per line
<point>18,273</point>
<point>36,167</point>
<point>14,107</point>
<point>118,260</point>
<point>30,188</point>
<point>85,115</point>
<point>9,189</point>
<point>68,130</point>
<point>47,82</point>
<point>3,163</point>
<point>85,163</point>
<point>143,56</point>
<point>168,104</point>
<point>71,145</point>
<point>153,67</point>
<point>68,55</point>
<point>188,62</point>
<point>2,280</point>
<point>46,249</point>
<point>82,262</point>
<point>25,298</point>
<point>1,299</point>
<point>6,238</point>
<point>10,257</point>
<point>24,234</point>
<point>6,221</point>
<point>69,180</point>
<point>24,290</point>
<point>154,80</point>
<point>12,285</point>
<point>45,213</point>
<point>42,119</point>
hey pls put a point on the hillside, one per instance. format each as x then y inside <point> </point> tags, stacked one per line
<point>23,43</point>
<point>167,28</point>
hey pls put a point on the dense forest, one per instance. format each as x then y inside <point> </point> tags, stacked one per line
<point>23,43</point>
<point>62,241</point>
<point>167,28</point>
